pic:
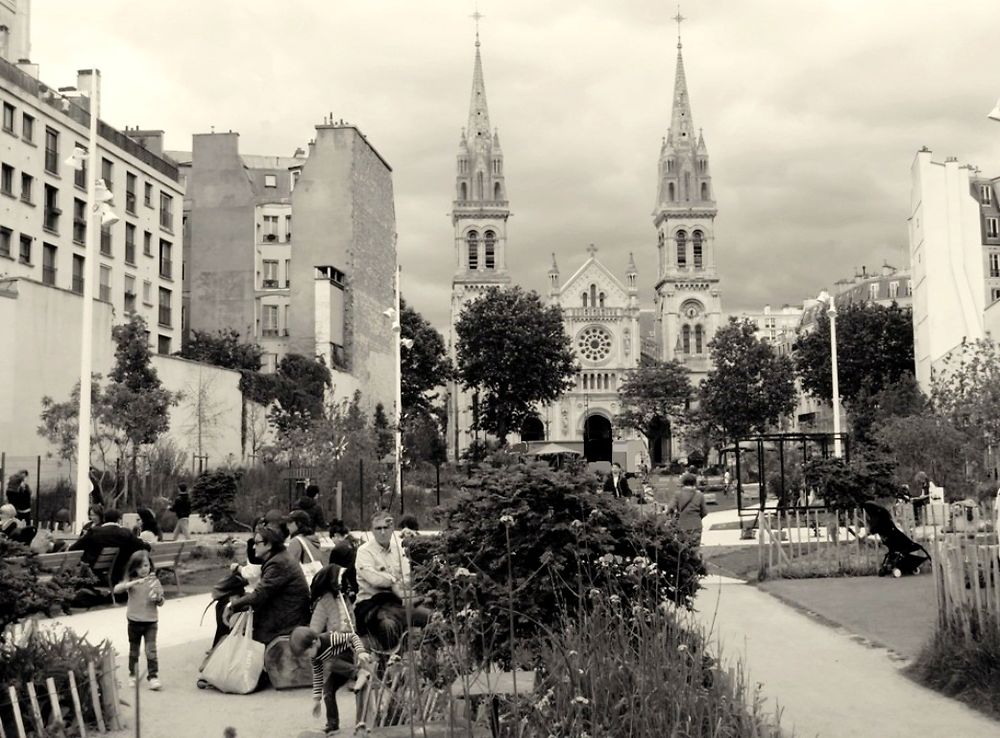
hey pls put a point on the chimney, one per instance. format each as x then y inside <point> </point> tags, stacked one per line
<point>149,140</point>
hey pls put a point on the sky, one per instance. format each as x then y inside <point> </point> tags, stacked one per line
<point>812,113</point>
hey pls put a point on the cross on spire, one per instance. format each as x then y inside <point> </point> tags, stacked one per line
<point>476,17</point>
<point>680,19</point>
<point>592,250</point>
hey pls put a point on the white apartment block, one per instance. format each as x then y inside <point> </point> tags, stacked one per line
<point>44,213</point>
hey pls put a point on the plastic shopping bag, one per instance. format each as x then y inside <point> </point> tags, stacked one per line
<point>236,663</point>
<point>311,567</point>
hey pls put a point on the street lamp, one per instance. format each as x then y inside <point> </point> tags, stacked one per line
<point>827,299</point>
<point>397,329</point>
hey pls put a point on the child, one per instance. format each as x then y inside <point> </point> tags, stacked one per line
<point>328,607</point>
<point>145,594</point>
<point>329,647</point>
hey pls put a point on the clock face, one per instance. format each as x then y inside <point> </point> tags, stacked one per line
<point>594,343</point>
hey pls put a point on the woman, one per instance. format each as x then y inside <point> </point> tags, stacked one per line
<point>149,529</point>
<point>280,601</point>
<point>688,508</point>
<point>95,513</point>
<point>9,524</point>
<point>302,539</point>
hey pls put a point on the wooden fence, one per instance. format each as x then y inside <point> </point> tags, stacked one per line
<point>817,542</point>
<point>967,580</point>
<point>26,710</point>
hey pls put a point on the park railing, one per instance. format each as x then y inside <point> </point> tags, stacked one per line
<point>967,581</point>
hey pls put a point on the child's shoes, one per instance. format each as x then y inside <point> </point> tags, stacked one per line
<point>154,684</point>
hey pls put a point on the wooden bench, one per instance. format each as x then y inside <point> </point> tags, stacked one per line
<point>167,557</point>
<point>104,566</point>
<point>53,563</point>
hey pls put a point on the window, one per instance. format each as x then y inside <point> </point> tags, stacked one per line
<point>147,195</point>
<point>893,290</point>
<point>106,249</point>
<point>907,290</point>
<point>79,221</point>
<point>489,239</point>
<point>873,290</point>
<point>473,242</point>
<point>147,243</point>
<point>270,180</point>
<point>130,193</point>
<point>593,295</point>
<point>27,128</point>
<point>166,266</point>
<point>992,230</point>
<point>147,292</point>
<point>288,273</point>
<point>48,264</point>
<point>77,285</point>
<point>27,187</point>
<point>164,316</point>
<point>985,194</point>
<point>166,211</point>
<point>995,265</point>
<point>699,337</point>
<point>584,296</point>
<point>288,228</point>
<point>129,243</point>
<point>686,339</point>
<point>681,248</point>
<point>270,228</point>
<point>105,284</point>
<point>696,251</point>
<point>600,300</point>
<point>269,320</point>
<point>108,174</point>
<point>5,234</point>
<point>129,304</point>
<point>80,173</point>
<point>995,295</point>
<point>270,274</point>
<point>8,117</point>
<point>7,179</point>
<point>51,151</point>
<point>52,211</point>
<point>163,345</point>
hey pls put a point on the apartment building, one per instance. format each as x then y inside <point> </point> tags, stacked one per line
<point>44,214</point>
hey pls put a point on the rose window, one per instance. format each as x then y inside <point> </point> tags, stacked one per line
<point>594,343</point>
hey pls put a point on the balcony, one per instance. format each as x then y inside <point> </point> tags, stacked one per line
<point>271,237</point>
<point>51,221</point>
<point>269,332</point>
<point>164,316</point>
<point>49,275</point>
<point>270,284</point>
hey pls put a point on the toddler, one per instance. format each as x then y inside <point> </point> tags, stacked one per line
<point>145,594</point>
<point>330,648</point>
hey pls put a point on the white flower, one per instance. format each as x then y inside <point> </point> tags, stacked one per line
<point>594,592</point>
<point>580,700</point>
<point>572,653</point>
<point>463,572</point>
<point>614,599</point>
<point>507,520</point>
<point>682,648</point>
<point>576,524</point>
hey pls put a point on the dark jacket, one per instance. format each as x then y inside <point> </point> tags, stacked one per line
<point>344,555</point>
<point>108,535</point>
<point>19,495</point>
<point>182,506</point>
<point>623,489</point>
<point>280,602</point>
<point>309,505</point>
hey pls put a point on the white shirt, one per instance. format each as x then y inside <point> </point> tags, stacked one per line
<point>379,568</point>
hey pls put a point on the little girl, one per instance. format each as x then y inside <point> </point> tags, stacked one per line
<point>145,594</point>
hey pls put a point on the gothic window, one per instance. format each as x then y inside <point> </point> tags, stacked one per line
<point>659,240</point>
<point>594,343</point>
<point>686,338</point>
<point>696,248</point>
<point>479,185</point>
<point>670,192</point>
<point>496,191</point>
<point>704,190</point>
<point>490,247</point>
<point>585,299</point>
<point>681,248</point>
<point>687,185</point>
<point>699,337</point>
<point>600,299</point>
<point>463,192</point>
<point>473,241</point>
<point>593,295</point>
<point>670,165</point>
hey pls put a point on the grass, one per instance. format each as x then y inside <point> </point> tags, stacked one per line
<point>965,666</point>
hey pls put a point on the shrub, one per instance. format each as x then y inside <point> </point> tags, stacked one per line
<point>21,594</point>
<point>214,495</point>
<point>544,537</point>
<point>846,485</point>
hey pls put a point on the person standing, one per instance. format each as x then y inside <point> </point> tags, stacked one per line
<point>616,482</point>
<point>145,594</point>
<point>182,509</point>
<point>688,508</point>
<point>310,503</point>
<point>19,495</point>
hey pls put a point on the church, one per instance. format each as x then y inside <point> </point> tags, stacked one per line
<point>609,329</point>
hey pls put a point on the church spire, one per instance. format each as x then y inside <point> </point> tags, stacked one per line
<point>479,114</point>
<point>681,126</point>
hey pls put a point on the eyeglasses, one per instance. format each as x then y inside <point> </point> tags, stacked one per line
<point>382,527</point>
<point>258,543</point>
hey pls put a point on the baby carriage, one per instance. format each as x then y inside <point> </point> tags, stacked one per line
<point>905,556</point>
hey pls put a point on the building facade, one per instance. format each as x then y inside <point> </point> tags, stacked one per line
<point>44,214</point>
<point>688,294</point>
<point>479,218</point>
<point>954,241</point>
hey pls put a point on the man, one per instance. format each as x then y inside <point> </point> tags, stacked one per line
<point>182,509</point>
<point>616,482</point>
<point>344,554</point>
<point>383,571</point>
<point>310,504</point>
<point>19,495</point>
<point>109,534</point>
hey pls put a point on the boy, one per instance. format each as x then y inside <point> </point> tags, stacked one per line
<point>329,649</point>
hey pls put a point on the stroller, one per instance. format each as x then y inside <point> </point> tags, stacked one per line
<point>905,556</point>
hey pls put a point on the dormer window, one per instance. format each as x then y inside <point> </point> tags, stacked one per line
<point>985,194</point>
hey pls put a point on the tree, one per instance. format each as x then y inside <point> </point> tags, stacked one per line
<point>874,350</point>
<point>871,411</point>
<point>299,388</point>
<point>966,389</point>
<point>653,396</point>
<point>384,440</point>
<point>750,387</point>
<point>423,360</point>
<point>929,443</point>
<point>515,352</point>
<point>223,348</point>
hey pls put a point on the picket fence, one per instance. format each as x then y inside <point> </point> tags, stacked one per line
<point>967,581</point>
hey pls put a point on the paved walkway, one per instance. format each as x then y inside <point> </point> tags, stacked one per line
<point>824,682</point>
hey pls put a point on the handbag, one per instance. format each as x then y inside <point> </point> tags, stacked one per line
<point>237,662</point>
<point>309,568</point>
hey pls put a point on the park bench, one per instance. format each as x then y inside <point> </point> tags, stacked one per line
<point>167,557</point>
<point>53,563</point>
<point>104,566</point>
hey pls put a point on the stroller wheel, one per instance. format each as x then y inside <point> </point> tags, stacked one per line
<point>897,573</point>
<point>202,684</point>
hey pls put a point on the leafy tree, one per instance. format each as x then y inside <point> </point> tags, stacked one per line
<point>515,352</point>
<point>871,411</point>
<point>749,387</point>
<point>874,351</point>
<point>214,495</point>
<point>966,390</point>
<point>423,359</point>
<point>930,443</point>
<point>423,439</point>
<point>846,485</point>
<point>223,348</point>
<point>384,440</point>
<point>653,396</point>
<point>299,388</point>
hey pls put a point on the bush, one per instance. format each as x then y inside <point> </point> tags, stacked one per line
<point>21,594</point>
<point>847,485</point>
<point>550,538</point>
<point>214,495</point>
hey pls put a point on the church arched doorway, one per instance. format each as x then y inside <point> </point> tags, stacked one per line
<point>532,429</point>
<point>659,444</point>
<point>597,438</point>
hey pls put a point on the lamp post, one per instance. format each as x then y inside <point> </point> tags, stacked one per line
<point>397,329</point>
<point>826,298</point>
